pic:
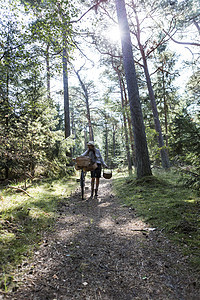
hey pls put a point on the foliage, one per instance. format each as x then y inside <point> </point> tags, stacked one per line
<point>154,151</point>
<point>193,89</point>
<point>34,32</point>
<point>166,205</point>
<point>28,136</point>
<point>186,140</point>
<point>185,148</point>
<point>30,121</point>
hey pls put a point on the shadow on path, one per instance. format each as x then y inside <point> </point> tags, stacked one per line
<point>102,250</point>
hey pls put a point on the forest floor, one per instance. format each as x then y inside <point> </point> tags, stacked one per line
<point>100,249</point>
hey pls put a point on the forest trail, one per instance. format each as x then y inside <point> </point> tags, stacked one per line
<point>99,250</point>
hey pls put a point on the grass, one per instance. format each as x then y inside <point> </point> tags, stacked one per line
<point>23,221</point>
<point>163,202</point>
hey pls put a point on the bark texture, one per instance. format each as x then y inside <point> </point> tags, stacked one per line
<point>66,95</point>
<point>142,155</point>
<point>91,134</point>
<point>163,151</point>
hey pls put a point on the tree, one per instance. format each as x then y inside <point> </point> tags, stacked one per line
<point>66,94</point>
<point>28,117</point>
<point>142,155</point>
<point>182,17</point>
<point>185,144</point>
<point>163,152</point>
<point>193,91</point>
<point>124,117</point>
<point>165,91</point>
<point>86,96</point>
<point>53,28</point>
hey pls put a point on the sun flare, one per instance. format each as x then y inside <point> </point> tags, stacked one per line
<point>113,34</point>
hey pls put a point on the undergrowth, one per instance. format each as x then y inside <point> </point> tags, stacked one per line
<point>163,202</point>
<point>24,220</point>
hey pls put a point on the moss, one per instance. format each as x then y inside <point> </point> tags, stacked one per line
<point>164,203</point>
<point>23,221</point>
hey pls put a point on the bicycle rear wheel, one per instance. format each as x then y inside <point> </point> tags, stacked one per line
<point>82,184</point>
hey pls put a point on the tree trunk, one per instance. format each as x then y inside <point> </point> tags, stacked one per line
<point>165,109</point>
<point>85,137</point>
<point>197,25</point>
<point>125,125</point>
<point>142,155</point>
<point>65,75</point>
<point>106,140</point>
<point>114,140</point>
<point>129,124</point>
<point>91,135</point>
<point>66,94</point>
<point>48,72</point>
<point>163,152</point>
<point>7,122</point>
<point>73,128</point>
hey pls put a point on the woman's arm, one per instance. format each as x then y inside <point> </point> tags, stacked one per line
<point>85,153</point>
<point>102,161</point>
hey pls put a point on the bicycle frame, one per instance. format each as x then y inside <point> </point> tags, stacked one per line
<point>82,182</point>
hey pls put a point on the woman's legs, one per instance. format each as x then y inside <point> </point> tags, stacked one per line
<point>97,186</point>
<point>92,186</point>
<point>96,174</point>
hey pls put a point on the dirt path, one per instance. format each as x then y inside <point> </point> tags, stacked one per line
<point>98,251</point>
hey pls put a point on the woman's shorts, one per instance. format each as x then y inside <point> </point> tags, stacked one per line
<point>97,172</point>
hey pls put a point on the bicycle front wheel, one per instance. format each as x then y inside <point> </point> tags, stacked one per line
<point>82,184</point>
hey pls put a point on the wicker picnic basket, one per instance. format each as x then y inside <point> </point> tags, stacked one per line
<point>83,161</point>
<point>91,167</point>
<point>107,174</point>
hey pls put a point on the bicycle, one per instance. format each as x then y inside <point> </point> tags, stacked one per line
<point>81,164</point>
<point>84,164</point>
<point>82,183</point>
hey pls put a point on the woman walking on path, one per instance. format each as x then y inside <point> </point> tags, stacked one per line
<point>95,156</point>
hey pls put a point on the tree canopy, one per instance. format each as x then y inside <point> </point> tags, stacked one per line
<point>63,81</point>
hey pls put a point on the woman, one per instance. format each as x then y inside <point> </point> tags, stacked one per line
<point>96,157</point>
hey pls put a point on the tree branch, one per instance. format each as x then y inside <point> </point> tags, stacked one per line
<point>19,189</point>
<point>181,43</point>
<point>95,6</point>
